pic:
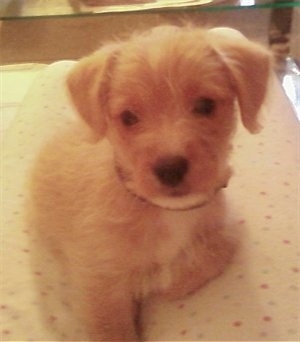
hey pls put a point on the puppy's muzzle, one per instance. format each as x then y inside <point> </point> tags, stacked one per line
<point>171,170</point>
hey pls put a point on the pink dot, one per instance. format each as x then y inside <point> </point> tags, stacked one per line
<point>242,221</point>
<point>264,286</point>
<point>267,318</point>
<point>237,323</point>
<point>52,318</point>
<point>286,242</point>
<point>296,269</point>
<point>153,323</point>
<point>181,306</point>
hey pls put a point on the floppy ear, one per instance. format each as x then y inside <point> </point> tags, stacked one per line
<point>88,84</point>
<point>249,65</point>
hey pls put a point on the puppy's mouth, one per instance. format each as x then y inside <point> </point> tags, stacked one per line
<point>176,200</point>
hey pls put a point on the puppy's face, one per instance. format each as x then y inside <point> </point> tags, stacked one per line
<point>169,103</point>
<point>170,120</point>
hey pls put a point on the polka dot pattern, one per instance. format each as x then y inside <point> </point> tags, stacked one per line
<point>255,299</point>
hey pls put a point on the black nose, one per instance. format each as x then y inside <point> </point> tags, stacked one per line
<point>171,170</point>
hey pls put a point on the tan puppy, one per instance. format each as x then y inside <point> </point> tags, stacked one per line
<point>138,209</point>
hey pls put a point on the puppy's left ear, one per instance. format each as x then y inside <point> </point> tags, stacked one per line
<point>249,66</point>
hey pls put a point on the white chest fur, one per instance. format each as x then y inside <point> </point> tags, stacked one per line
<point>178,233</point>
<point>179,226</point>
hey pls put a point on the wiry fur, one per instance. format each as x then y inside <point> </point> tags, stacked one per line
<point>119,233</point>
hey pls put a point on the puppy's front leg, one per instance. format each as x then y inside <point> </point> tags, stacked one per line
<point>107,310</point>
<point>205,260</point>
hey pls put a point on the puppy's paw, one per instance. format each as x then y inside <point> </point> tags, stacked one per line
<point>219,253</point>
<point>205,261</point>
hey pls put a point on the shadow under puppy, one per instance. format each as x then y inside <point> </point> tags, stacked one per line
<point>139,209</point>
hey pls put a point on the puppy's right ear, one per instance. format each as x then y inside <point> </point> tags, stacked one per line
<point>88,84</point>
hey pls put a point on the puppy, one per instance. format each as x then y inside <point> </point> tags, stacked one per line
<point>138,209</point>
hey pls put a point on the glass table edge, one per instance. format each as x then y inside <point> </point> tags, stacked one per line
<point>195,8</point>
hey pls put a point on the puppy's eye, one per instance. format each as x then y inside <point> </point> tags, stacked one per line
<point>204,106</point>
<point>129,118</point>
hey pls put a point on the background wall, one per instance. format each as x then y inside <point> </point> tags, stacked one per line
<point>295,35</point>
<point>46,40</point>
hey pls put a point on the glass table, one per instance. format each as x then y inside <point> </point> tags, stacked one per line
<point>11,9</point>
